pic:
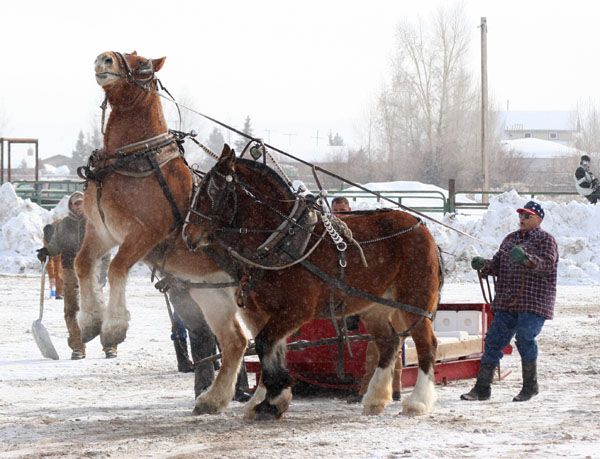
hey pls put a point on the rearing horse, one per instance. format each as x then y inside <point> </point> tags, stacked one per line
<point>138,187</point>
<point>239,200</point>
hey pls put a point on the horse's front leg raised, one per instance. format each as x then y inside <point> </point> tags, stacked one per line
<point>116,318</point>
<point>91,310</point>
<point>219,310</point>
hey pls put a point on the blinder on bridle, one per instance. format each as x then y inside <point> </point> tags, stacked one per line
<point>141,77</point>
<point>222,197</point>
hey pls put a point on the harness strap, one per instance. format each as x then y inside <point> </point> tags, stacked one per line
<point>357,293</point>
<point>167,191</point>
<point>164,284</point>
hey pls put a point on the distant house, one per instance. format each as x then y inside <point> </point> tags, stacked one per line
<point>555,126</point>
<point>57,160</point>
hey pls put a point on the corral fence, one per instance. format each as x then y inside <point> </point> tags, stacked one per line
<point>46,193</point>
<point>455,201</point>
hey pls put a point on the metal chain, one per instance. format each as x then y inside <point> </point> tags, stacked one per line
<point>399,233</point>
<point>335,236</point>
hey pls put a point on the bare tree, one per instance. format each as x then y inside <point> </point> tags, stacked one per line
<point>427,109</point>
<point>3,121</point>
<point>589,134</point>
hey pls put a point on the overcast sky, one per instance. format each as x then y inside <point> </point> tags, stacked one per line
<point>294,67</point>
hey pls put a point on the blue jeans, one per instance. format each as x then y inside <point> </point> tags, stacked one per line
<point>178,331</point>
<point>505,325</point>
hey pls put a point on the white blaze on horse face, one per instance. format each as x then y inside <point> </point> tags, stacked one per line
<point>107,69</point>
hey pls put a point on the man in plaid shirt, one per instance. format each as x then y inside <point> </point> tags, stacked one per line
<point>525,266</point>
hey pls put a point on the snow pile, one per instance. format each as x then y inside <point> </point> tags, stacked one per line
<point>21,223</point>
<point>574,226</point>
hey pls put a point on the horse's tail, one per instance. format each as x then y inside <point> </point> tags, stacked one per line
<point>442,271</point>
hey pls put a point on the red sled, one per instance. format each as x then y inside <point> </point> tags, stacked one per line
<point>317,365</point>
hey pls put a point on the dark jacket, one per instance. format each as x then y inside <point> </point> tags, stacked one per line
<point>67,239</point>
<point>530,288</point>
<point>585,182</point>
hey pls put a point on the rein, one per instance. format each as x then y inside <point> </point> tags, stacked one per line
<point>316,168</point>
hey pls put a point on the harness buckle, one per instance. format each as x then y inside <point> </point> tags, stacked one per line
<point>243,230</point>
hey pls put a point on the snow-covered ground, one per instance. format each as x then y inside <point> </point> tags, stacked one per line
<point>138,406</point>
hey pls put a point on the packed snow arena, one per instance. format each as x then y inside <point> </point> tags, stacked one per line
<point>182,285</point>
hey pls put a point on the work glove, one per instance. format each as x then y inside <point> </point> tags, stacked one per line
<point>519,255</point>
<point>477,263</point>
<point>42,254</point>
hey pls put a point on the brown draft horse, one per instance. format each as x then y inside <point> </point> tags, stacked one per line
<point>238,199</point>
<point>126,206</point>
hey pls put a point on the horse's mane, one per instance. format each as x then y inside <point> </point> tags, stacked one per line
<point>263,170</point>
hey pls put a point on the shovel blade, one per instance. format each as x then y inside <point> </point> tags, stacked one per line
<point>43,341</point>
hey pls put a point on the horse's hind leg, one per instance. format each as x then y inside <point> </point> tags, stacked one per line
<point>92,301</point>
<point>379,392</point>
<point>116,318</point>
<point>219,310</point>
<point>422,398</point>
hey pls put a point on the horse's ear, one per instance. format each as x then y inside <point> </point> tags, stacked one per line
<point>133,53</point>
<point>227,156</point>
<point>158,63</point>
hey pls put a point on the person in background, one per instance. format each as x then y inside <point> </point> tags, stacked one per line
<point>66,241</point>
<point>585,183</point>
<point>526,269</point>
<point>339,207</point>
<point>54,266</point>
<point>203,342</point>
<point>179,337</point>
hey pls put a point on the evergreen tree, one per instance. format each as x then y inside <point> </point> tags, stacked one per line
<point>335,141</point>
<point>242,141</point>
<point>215,141</point>
<point>81,152</point>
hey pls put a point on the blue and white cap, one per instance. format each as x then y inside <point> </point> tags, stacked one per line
<point>532,208</point>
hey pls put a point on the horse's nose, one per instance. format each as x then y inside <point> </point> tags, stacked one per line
<point>103,61</point>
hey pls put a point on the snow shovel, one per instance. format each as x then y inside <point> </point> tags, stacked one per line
<point>41,335</point>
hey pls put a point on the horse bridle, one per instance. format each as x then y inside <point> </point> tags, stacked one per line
<point>217,195</point>
<point>129,74</point>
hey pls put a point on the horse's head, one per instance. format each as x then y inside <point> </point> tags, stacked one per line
<point>112,67</point>
<point>214,204</point>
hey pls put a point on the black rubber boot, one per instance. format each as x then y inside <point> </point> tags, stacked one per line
<point>242,390</point>
<point>482,389</point>
<point>530,385</point>
<point>183,359</point>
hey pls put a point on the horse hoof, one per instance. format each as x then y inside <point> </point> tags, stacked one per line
<point>90,327</point>
<point>203,408</point>
<point>114,332</point>
<point>264,411</point>
<point>205,405</point>
<point>373,410</point>
<point>414,409</point>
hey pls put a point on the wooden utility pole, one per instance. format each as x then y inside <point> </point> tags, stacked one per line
<point>484,108</point>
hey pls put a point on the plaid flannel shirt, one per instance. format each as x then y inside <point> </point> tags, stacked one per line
<point>530,287</point>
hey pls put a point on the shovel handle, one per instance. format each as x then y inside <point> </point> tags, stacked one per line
<point>42,292</point>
